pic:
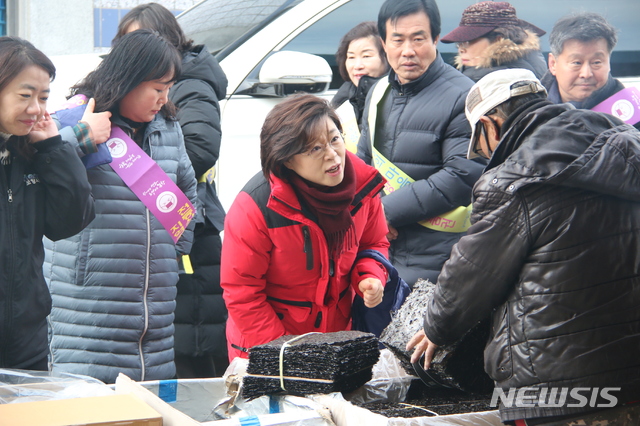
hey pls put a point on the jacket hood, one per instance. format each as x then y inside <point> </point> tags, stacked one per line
<point>505,51</point>
<point>200,64</point>
<point>561,145</point>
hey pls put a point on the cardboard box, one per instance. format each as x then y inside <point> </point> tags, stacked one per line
<point>117,409</point>
<point>194,397</point>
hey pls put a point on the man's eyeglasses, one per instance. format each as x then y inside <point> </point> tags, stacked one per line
<point>480,128</point>
<point>477,149</point>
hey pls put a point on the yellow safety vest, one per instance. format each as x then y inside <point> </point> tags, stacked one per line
<point>457,220</point>
<point>350,129</point>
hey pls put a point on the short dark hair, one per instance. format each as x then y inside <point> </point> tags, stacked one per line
<point>394,9</point>
<point>362,30</point>
<point>16,54</point>
<point>289,129</point>
<point>154,16</point>
<point>136,57</point>
<point>584,27</point>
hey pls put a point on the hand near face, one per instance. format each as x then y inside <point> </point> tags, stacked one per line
<point>421,344</point>
<point>372,291</point>
<point>99,122</point>
<point>44,128</point>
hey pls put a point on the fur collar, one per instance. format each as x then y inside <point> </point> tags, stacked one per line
<point>504,51</point>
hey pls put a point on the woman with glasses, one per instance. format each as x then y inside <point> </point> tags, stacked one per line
<point>491,37</point>
<point>292,234</point>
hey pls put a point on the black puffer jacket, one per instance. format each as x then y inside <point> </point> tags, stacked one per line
<point>200,311</point>
<point>355,95</point>
<point>553,256</point>
<point>422,129</point>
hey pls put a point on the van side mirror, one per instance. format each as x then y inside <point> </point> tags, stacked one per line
<point>286,72</point>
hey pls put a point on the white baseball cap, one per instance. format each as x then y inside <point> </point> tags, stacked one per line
<point>494,89</point>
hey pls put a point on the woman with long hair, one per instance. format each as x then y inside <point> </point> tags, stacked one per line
<point>200,345</point>
<point>114,285</point>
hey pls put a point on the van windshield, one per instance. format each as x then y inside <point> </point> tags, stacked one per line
<point>218,24</point>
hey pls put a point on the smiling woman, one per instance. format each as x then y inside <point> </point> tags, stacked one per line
<point>45,193</point>
<point>292,234</point>
<point>361,62</point>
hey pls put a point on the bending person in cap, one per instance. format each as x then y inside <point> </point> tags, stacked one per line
<point>491,37</point>
<point>548,257</point>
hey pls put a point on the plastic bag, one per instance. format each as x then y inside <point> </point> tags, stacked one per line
<point>390,382</point>
<point>28,385</point>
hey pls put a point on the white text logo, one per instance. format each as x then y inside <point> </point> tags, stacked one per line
<point>555,397</point>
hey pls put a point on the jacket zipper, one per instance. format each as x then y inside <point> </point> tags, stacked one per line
<point>8,302</point>
<point>308,248</point>
<point>144,297</point>
<point>145,303</point>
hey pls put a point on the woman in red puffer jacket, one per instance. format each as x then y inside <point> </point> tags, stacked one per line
<point>292,234</point>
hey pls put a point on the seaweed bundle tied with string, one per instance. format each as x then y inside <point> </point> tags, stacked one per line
<point>311,363</point>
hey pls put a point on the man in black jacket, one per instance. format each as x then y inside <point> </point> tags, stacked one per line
<point>415,133</point>
<point>552,256</point>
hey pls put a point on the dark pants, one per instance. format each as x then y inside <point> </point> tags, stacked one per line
<point>198,367</point>
<point>42,365</point>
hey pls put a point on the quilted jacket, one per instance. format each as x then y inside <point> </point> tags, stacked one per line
<point>114,284</point>
<point>553,257</point>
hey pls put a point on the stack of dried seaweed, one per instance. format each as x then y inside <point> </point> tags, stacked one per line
<point>458,366</point>
<point>314,363</point>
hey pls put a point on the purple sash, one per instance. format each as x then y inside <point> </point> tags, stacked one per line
<point>625,105</point>
<point>150,183</point>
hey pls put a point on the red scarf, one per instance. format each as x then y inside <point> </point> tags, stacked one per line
<point>330,204</point>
